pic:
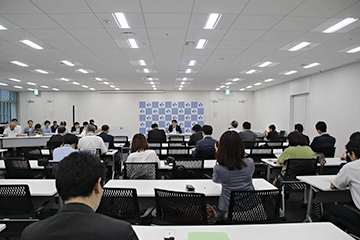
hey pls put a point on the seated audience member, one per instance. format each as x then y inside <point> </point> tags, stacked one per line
<point>105,129</point>
<point>91,141</point>
<point>46,128</point>
<point>299,128</point>
<point>140,153</point>
<point>174,128</point>
<point>83,128</point>
<point>63,124</point>
<point>18,127</point>
<point>11,131</point>
<point>70,142</point>
<point>79,181</point>
<point>91,121</point>
<point>29,128</point>
<point>205,148</point>
<point>233,170</point>
<point>37,130</point>
<point>348,176</point>
<point>247,135</point>
<point>324,140</point>
<point>59,138</point>
<point>355,135</point>
<point>297,149</point>
<point>76,128</point>
<point>156,135</point>
<point>272,134</point>
<point>196,136</point>
<point>233,126</point>
<point>54,126</point>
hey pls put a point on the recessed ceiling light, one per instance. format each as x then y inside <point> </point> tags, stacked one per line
<point>2,27</point>
<point>67,63</point>
<point>121,20</point>
<point>112,86</point>
<point>146,70</point>
<point>117,88</point>
<point>31,44</point>
<point>30,83</point>
<point>201,44</point>
<point>180,89</point>
<point>14,80</point>
<point>188,70</point>
<point>142,63</point>
<point>41,71</point>
<point>212,21</point>
<point>312,65</point>
<point>249,87</point>
<point>251,71</point>
<point>217,89</point>
<point>265,64</point>
<point>132,43</point>
<point>192,63</point>
<point>236,79</point>
<point>84,86</point>
<point>43,86</point>
<point>19,63</point>
<point>184,79</point>
<point>92,89</point>
<point>82,70</point>
<point>299,46</point>
<point>75,83</point>
<point>30,89</point>
<point>290,72</point>
<point>55,89</point>
<point>150,78</point>
<point>242,89</point>
<point>182,83</point>
<point>98,79</point>
<point>257,84</point>
<point>64,79</point>
<point>228,83</point>
<point>354,50</point>
<point>222,86</point>
<point>269,80</point>
<point>18,87</point>
<point>106,83</point>
<point>340,25</point>
<point>151,82</point>
<point>155,88</point>
<point>3,84</point>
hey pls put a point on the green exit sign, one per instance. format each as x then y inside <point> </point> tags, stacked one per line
<point>227,92</point>
<point>36,92</point>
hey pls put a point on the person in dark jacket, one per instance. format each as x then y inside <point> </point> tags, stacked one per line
<point>196,136</point>
<point>324,140</point>
<point>205,148</point>
<point>156,135</point>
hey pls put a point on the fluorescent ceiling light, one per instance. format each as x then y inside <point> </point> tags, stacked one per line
<point>257,84</point>
<point>188,70</point>
<point>121,20</point>
<point>30,89</point>
<point>201,44</point>
<point>269,80</point>
<point>82,70</point>
<point>182,83</point>
<point>84,86</point>
<point>212,21</point>
<point>217,89</point>
<point>291,72</point>
<point>55,89</point>
<point>18,87</point>
<point>142,63</point>
<point>242,89</point>
<point>19,63</point>
<point>119,88</point>
<point>106,83</point>
<point>31,44</point>
<point>153,86</point>
<point>192,63</point>
<point>92,89</point>
<point>67,63</point>
<point>75,83</point>
<point>340,25</point>
<point>98,79</point>
<point>14,80</point>
<point>132,43</point>
<point>2,27</point>
<point>64,79</point>
<point>249,87</point>
<point>43,86</point>
<point>311,65</point>
<point>151,82</point>
<point>3,84</point>
<point>299,46</point>
<point>222,86</point>
<point>146,70</point>
<point>30,83</point>
<point>112,86</point>
<point>251,71</point>
<point>150,78</point>
<point>41,71</point>
<point>354,50</point>
<point>236,79</point>
<point>228,83</point>
<point>180,89</point>
<point>265,64</point>
<point>184,79</point>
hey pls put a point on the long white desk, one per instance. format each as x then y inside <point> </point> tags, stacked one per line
<point>33,164</point>
<point>208,164</point>
<point>2,227</point>
<point>319,191</point>
<point>37,187</point>
<point>286,231</point>
<point>24,141</point>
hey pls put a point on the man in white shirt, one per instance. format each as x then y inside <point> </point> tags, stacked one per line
<point>233,126</point>
<point>18,127</point>
<point>91,141</point>
<point>348,176</point>
<point>12,131</point>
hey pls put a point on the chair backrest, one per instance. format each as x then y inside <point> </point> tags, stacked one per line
<point>300,167</point>
<point>254,206</point>
<point>180,207</point>
<point>192,168</point>
<point>121,139</point>
<point>53,145</point>
<point>15,201</point>
<point>328,151</point>
<point>140,170</point>
<point>275,144</point>
<point>176,138</point>
<point>156,147</point>
<point>250,144</point>
<point>32,153</point>
<point>178,149</point>
<point>18,168</point>
<point>261,151</point>
<point>120,203</point>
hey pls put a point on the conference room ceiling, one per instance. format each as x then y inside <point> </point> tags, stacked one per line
<point>249,33</point>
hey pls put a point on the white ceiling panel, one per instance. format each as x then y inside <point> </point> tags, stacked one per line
<point>198,21</point>
<point>321,8</point>
<point>243,35</point>
<point>118,33</point>
<point>15,35</point>
<point>234,45</point>
<point>163,20</point>
<point>18,6</point>
<point>168,34</point>
<point>273,7</point>
<point>114,5</point>
<point>224,7</point>
<point>50,34</point>
<point>73,6</point>
<point>65,44</point>
<point>167,6</point>
<point>82,20</point>
<point>92,44</point>
<point>280,36</point>
<point>298,24</point>
<point>166,44</point>
<point>32,21</point>
<point>253,22</point>
<point>89,34</point>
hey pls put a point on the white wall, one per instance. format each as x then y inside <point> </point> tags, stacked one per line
<point>123,109</point>
<point>334,97</point>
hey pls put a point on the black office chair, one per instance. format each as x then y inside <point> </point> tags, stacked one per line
<point>350,227</point>
<point>51,146</point>
<point>140,170</point>
<point>254,206</point>
<point>176,138</point>
<point>157,147</point>
<point>16,209</point>
<point>191,168</point>
<point>178,150</point>
<point>19,168</point>
<point>180,208</point>
<point>32,153</point>
<point>249,144</point>
<point>328,152</point>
